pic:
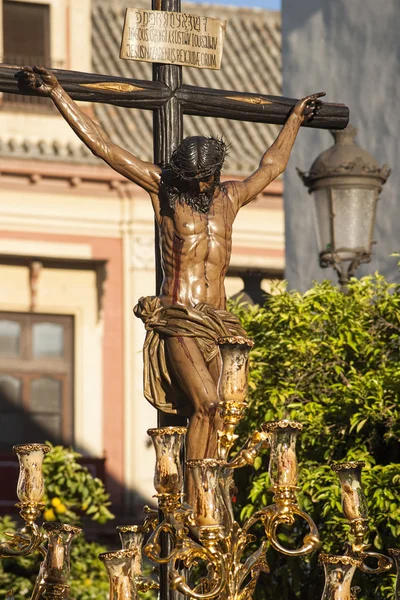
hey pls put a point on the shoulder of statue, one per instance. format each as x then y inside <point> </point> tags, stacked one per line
<point>231,191</point>
<point>231,187</point>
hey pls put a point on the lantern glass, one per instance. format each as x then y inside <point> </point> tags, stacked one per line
<point>344,220</point>
<point>322,213</point>
<point>353,217</point>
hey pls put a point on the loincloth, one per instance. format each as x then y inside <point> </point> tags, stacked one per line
<point>202,322</point>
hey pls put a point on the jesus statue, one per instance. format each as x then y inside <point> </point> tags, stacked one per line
<point>194,212</point>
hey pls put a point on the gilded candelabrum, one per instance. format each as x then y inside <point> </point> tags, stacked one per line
<point>204,551</point>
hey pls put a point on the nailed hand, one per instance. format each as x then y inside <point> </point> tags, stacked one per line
<point>37,79</point>
<point>308,107</point>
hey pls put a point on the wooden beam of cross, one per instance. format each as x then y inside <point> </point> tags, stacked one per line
<point>191,100</point>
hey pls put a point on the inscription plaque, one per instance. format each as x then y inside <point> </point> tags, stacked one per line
<point>173,38</point>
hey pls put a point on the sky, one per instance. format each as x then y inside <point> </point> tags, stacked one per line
<point>268,4</point>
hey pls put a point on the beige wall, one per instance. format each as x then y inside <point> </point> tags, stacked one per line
<point>54,220</point>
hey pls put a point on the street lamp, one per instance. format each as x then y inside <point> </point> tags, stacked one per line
<point>345,182</point>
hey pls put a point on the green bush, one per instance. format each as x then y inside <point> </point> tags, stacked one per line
<point>330,361</point>
<point>71,490</point>
<point>71,493</point>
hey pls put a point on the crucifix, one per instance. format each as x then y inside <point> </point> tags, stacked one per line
<point>194,214</point>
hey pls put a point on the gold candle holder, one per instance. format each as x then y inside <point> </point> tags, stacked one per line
<point>57,565</point>
<point>283,469</point>
<point>354,502</point>
<point>208,503</point>
<point>119,566</point>
<point>132,537</point>
<point>355,509</point>
<point>30,492</point>
<point>30,486</point>
<point>339,572</point>
<point>233,380</point>
<point>52,582</point>
<point>168,474</point>
<point>232,388</point>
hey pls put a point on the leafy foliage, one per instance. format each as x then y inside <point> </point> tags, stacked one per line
<point>330,361</point>
<point>71,493</point>
<point>71,490</point>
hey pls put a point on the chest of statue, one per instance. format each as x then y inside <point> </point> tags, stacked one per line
<point>216,223</point>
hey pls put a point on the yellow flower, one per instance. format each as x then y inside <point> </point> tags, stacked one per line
<point>87,582</point>
<point>61,509</point>
<point>49,515</point>
<point>55,502</point>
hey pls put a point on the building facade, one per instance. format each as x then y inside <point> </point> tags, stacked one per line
<point>77,239</point>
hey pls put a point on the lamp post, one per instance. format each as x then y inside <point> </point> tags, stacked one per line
<point>345,182</point>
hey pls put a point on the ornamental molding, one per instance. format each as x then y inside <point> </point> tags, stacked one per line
<point>166,431</point>
<point>330,559</point>
<point>354,168</point>
<point>282,424</point>
<point>204,463</point>
<point>345,466</point>
<point>236,340</point>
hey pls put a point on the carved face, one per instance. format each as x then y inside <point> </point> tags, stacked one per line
<point>194,172</point>
<point>206,185</point>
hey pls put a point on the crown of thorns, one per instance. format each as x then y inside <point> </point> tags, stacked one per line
<point>202,171</point>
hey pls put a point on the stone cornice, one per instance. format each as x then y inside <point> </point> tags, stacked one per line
<point>36,173</point>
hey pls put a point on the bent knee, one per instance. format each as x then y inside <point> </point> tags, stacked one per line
<point>206,407</point>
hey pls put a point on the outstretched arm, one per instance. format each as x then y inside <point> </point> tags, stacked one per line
<point>274,161</point>
<point>145,174</point>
